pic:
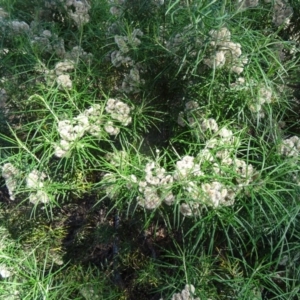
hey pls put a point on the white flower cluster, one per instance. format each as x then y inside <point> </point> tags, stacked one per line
<point>60,72</point>
<point>290,147</point>
<point>63,80</point>
<point>217,194</point>
<point>92,121</point>
<point>10,175</point>
<point>244,4</point>
<point>77,10</point>
<point>187,167</point>
<point>43,41</point>
<point>119,111</point>
<point>124,44</point>
<point>18,27</point>
<point>47,42</point>
<point>116,8</point>
<point>219,159</point>
<point>132,40</point>
<point>189,209</point>
<point>72,130</point>
<point>77,53</point>
<point>118,57</point>
<point>186,294</point>
<point>175,42</point>
<point>155,187</point>
<point>239,84</point>
<point>193,117</point>
<point>89,292</point>
<point>264,96</point>
<point>282,12</point>
<point>35,182</point>
<point>4,271</point>
<point>223,51</point>
<point>132,81</point>
<point>118,158</point>
<point>110,185</point>
<point>3,98</point>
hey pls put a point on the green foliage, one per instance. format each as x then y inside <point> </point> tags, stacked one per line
<point>149,149</point>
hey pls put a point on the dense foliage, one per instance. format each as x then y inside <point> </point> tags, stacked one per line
<point>149,149</point>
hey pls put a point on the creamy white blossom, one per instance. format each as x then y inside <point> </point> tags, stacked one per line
<point>118,59</point>
<point>10,174</point>
<point>62,148</point>
<point>290,147</point>
<point>64,82</point>
<point>209,124</point>
<point>111,129</point>
<point>39,196</point>
<point>215,193</point>
<point>19,27</point>
<point>63,67</point>
<point>4,271</point>
<point>78,10</point>
<point>132,81</point>
<point>34,179</point>
<point>223,52</point>
<point>119,111</point>
<point>190,209</point>
<point>244,171</point>
<point>186,294</point>
<point>282,12</point>
<point>187,167</point>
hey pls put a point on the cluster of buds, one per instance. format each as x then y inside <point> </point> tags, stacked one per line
<point>216,194</point>
<point>244,4</point>
<point>119,111</point>
<point>155,187</point>
<point>118,59</point>
<point>69,131</point>
<point>77,10</point>
<point>116,8</point>
<point>18,27</point>
<point>4,271</point>
<point>187,167</point>
<point>42,41</point>
<point>282,12</point>
<point>124,43</point>
<point>10,175</point>
<point>186,294</point>
<point>290,147</point>
<point>3,99</point>
<point>91,121</point>
<point>132,81</point>
<point>223,51</point>
<point>35,182</point>
<point>60,72</point>
<point>264,96</point>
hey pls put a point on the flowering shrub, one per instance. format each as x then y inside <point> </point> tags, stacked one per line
<point>159,140</point>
